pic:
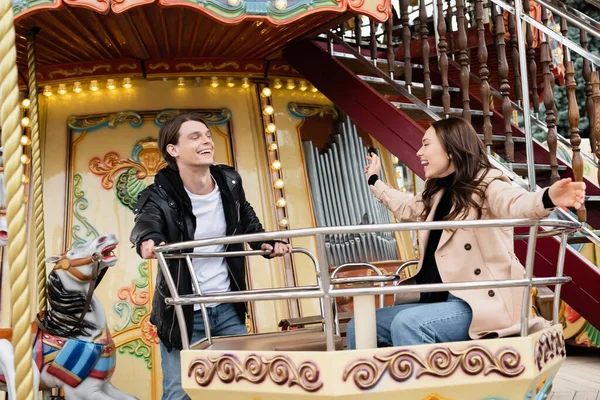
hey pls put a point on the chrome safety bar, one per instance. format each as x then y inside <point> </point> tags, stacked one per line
<point>327,293</point>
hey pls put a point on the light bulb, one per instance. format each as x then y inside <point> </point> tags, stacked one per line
<point>127,83</point>
<point>268,110</point>
<point>276,165</point>
<point>273,147</point>
<point>271,128</point>
<point>25,121</point>
<point>290,84</point>
<point>77,87</point>
<point>110,84</point>
<point>283,222</point>
<point>245,83</point>
<point>266,92</point>
<point>278,184</point>
<point>25,140</point>
<point>47,91</point>
<point>280,202</point>
<point>303,86</point>
<point>62,88</point>
<point>25,159</point>
<point>214,82</point>
<point>94,85</point>
<point>230,82</point>
<point>181,81</point>
<point>26,103</point>
<point>277,84</point>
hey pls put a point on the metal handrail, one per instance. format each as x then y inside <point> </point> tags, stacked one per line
<point>227,254</point>
<point>360,265</point>
<point>543,28</point>
<point>327,293</point>
<point>573,16</point>
<point>401,227</point>
<point>266,294</point>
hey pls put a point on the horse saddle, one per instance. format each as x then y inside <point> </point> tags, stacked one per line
<point>73,360</point>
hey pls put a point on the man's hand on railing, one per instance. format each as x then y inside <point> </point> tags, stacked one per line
<point>565,193</point>
<point>147,249</point>
<point>279,250</point>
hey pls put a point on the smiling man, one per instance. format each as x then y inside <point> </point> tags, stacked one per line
<point>194,199</point>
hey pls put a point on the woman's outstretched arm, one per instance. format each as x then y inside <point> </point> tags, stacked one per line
<point>506,201</point>
<point>404,206</point>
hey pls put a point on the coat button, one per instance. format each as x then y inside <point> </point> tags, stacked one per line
<point>477,271</point>
<point>468,246</point>
<point>491,293</point>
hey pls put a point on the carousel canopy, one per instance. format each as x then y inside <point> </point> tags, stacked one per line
<point>80,38</point>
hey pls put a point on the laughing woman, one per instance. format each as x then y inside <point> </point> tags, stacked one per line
<point>461,184</point>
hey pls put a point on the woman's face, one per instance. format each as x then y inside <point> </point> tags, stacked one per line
<point>434,158</point>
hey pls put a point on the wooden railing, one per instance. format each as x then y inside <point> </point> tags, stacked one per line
<point>465,15</point>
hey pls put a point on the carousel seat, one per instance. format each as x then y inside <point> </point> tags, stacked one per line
<point>293,340</point>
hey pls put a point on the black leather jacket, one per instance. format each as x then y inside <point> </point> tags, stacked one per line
<point>164,213</point>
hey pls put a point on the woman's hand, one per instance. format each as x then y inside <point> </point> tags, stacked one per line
<point>565,193</point>
<point>374,165</point>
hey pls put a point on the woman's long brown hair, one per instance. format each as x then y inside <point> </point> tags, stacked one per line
<point>460,141</point>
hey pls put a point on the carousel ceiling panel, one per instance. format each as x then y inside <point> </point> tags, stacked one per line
<point>276,12</point>
<point>149,32</point>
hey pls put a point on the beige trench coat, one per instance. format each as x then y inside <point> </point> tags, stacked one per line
<point>481,254</point>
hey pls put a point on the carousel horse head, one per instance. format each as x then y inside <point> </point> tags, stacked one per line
<point>74,311</point>
<point>80,262</point>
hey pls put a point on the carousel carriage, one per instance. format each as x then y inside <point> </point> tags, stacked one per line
<point>311,362</point>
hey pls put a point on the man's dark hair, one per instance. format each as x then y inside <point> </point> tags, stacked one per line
<point>169,133</point>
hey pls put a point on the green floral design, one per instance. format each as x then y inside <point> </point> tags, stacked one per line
<point>80,204</point>
<point>138,349</point>
<point>128,188</point>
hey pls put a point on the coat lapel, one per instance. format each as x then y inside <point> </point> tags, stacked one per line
<point>424,235</point>
<point>446,234</point>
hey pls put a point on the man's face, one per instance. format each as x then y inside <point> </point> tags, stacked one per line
<point>195,147</point>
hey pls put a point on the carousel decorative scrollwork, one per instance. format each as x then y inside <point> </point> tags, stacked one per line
<point>255,369</point>
<point>111,121</point>
<point>145,161</point>
<point>210,117</point>
<point>208,66</point>
<point>308,110</point>
<point>80,203</point>
<point>550,345</point>
<point>441,362</point>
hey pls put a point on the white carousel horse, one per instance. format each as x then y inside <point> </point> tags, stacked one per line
<point>74,351</point>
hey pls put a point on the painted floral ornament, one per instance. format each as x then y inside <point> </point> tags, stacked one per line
<point>280,4</point>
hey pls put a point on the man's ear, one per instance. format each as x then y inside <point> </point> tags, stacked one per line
<point>172,150</point>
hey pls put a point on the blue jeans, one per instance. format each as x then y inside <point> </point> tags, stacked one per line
<point>419,323</point>
<point>224,321</point>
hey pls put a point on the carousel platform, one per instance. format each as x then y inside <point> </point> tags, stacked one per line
<point>579,376</point>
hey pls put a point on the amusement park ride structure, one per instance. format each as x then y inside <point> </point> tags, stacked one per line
<point>381,79</point>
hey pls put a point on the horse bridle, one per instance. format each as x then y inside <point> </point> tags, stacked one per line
<point>70,266</point>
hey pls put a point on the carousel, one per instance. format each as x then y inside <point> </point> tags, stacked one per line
<point>85,86</point>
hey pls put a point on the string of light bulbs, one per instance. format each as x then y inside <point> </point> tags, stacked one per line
<point>275,166</point>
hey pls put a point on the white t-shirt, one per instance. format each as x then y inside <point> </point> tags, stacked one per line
<point>212,273</point>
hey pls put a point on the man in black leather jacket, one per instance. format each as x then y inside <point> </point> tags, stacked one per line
<point>192,199</point>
